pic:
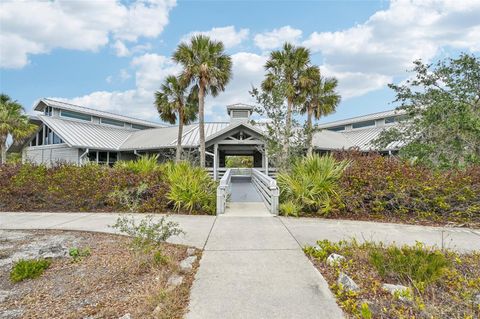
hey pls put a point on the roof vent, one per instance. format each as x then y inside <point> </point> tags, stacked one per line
<point>239,112</point>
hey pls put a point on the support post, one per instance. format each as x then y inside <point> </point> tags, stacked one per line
<point>215,161</point>
<point>266,161</point>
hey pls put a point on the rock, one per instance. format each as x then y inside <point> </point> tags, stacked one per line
<point>335,259</point>
<point>175,280</point>
<point>126,316</point>
<point>476,299</point>
<point>53,251</point>
<point>347,282</point>
<point>187,264</point>
<point>191,251</point>
<point>403,292</point>
<point>11,314</point>
<point>4,294</point>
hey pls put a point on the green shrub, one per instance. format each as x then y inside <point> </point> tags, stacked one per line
<point>311,183</point>
<point>28,269</point>
<point>417,264</point>
<point>144,164</point>
<point>325,248</point>
<point>290,209</point>
<point>160,259</point>
<point>79,253</point>
<point>148,232</point>
<point>191,188</point>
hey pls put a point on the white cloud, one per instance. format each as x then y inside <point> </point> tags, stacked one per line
<point>275,38</point>
<point>228,35</point>
<point>367,56</point>
<point>30,27</point>
<point>121,49</point>
<point>150,70</point>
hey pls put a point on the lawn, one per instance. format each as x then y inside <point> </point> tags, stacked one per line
<point>436,283</point>
<point>92,275</point>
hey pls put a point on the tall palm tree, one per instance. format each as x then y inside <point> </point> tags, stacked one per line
<point>13,122</point>
<point>206,65</point>
<point>286,67</point>
<point>176,102</point>
<point>320,99</point>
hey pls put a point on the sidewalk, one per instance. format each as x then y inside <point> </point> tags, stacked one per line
<point>253,267</point>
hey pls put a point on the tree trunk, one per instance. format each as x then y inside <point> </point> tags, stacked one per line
<point>178,155</point>
<point>3,151</point>
<point>201,122</point>
<point>309,131</point>
<point>288,130</point>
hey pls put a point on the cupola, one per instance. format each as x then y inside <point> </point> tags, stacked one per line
<point>239,112</point>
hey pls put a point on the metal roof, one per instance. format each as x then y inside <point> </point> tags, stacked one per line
<point>239,106</point>
<point>87,134</point>
<point>329,140</point>
<point>363,138</point>
<point>368,117</point>
<point>89,111</point>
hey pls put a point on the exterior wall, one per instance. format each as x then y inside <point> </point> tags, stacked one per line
<point>51,154</point>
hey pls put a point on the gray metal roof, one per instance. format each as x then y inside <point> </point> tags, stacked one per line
<point>329,140</point>
<point>239,106</point>
<point>368,117</point>
<point>363,138</point>
<point>87,134</point>
<point>77,108</point>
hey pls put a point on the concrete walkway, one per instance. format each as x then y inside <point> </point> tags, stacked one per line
<point>253,266</point>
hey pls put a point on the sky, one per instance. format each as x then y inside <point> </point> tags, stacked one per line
<point>113,55</point>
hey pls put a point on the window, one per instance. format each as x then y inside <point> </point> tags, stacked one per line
<point>48,111</point>
<point>92,156</point>
<point>57,139</point>
<point>139,127</point>
<point>112,122</point>
<point>102,157</point>
<point>337,128</point>
<point>239,114</point>
<point>112,158</point>
<point>390,119</point>
<point>363,124</point>
<point>76,115</point>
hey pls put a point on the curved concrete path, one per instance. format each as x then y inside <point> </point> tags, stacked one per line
<point>253,267</point>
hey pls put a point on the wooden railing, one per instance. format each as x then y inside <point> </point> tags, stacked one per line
<point>224,190</point>
<point>268,189</point>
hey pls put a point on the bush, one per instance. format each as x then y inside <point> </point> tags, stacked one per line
<point>144,164</point>
<point>78,253</point>
<point>417,265</point>
<point>387,188</point>
<point>311,183</point>
<point>191,188</point>
<point>147,232</point>
<point>28,269</point>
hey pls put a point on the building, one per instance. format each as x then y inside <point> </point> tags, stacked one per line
<point>75,134</point>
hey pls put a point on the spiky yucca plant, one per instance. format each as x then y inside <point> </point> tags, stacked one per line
<point>311,182</point>
<point>144,164</point>
<point>191,188</point>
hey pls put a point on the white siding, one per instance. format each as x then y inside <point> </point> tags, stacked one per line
<point>51,154</point>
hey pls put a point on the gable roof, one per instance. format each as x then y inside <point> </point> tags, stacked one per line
<point>40,106</point>
<point>368,117</point>
<point>233,126</point>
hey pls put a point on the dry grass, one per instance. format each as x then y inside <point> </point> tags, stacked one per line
<point>112,281</point>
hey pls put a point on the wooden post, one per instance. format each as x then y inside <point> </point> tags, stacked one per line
<point>215,162</point>
<point>266,161</point>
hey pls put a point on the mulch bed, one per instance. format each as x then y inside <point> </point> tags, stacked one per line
<point>110,283</point>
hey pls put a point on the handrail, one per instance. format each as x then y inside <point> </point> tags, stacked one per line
<point>268,189</point>
<point>223,191</point>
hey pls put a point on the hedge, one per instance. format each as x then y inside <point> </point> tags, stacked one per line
<point>374,187</point>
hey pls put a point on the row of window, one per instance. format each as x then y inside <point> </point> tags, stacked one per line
<point>371,123</point>
<point>85,117</point>
<point>102,157</point>
<point>45,137</point>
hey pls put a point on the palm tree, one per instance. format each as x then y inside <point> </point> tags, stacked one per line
<point>207,66</point>
<point>12,122</point>
<point>320,99</point>
<point>173,103</point>
<point>286,67</point>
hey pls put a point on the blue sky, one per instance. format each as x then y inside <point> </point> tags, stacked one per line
<point>112,55</point>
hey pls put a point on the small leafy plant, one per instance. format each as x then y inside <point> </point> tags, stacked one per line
<point>78,253</point>
<point>28,269</point>
<point>149,231</point>
<point>130,198</point>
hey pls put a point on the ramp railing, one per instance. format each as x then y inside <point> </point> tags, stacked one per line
<point>268,189</point>
<point>224,190</point>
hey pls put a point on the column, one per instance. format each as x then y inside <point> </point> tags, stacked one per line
<point>215,161</point>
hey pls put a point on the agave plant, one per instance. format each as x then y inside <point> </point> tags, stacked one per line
<point>311,182</point>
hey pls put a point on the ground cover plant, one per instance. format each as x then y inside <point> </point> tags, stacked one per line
<point>110,281</point>
<point>28,187</point>
<point>436,283</point>
<point>375,187</point>
<point>28,269</point>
